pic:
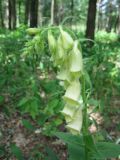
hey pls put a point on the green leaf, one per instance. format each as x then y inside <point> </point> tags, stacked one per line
<point>16,151</point>
<point>27,125</point>
<point>23,101</point>
<point>52,105</point>
<point>42,118</point>
<point>76,152</point>
<point>50,154</point>
<point>1,99</point>
<point>70,139</point>
<point>49,86</point>
<point>94,102</point>
<point>2,151</point>
<point>89,142</point>
<point>106,150</point>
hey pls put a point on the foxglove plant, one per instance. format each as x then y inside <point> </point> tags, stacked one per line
<point>67,57</point>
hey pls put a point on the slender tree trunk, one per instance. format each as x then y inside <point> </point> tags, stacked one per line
<point>100,16</point>
<point>54,13</point>
<point>117,22</point>
<point>91,18</point>
<point>110,18</point>
<point>1,15</point>
<point>19,10</point>
<point>72,10</point>
<point>12,14</point>
<point>33,13</point>
<point>27,11</point>
<point>61,11</point>
<point>39,13</point>
<point>5,13</point>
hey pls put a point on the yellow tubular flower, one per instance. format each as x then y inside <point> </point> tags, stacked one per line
<point>72,93</point>
<point>64,73</point>
<point>68,58</point>
<point>76,124</point>
<point>69,111</point>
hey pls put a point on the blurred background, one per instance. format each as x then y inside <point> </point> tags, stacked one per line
<point>78,14</point>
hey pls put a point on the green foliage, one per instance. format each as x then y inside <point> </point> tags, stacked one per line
<point>98,150</point>
<point>104,37</point>
<point>106,150</point>
<point>28,125</point>
<point>16,152</point>
<point>102,65</point>
<point>50,154</point>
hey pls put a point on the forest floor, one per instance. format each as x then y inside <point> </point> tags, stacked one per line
<point>33,142</point>
<point>29,142</point>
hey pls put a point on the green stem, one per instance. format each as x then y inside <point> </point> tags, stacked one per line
<point>85,120</point>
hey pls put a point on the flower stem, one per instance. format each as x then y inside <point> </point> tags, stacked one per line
<point>85,120</point>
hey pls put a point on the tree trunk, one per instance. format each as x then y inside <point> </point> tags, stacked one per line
<point>117,22</point>
<point>33,13</point>
<point>54,12</point>
<point>39,13</point>
<point>5,13</point>
<point>100,16</point>
<point>61,11</point>
<point>72,10</point>
<point>27,12</point>
<point>12,14</point>
<point>91,18</point>
<point>109,12</point>
<point>19,9</point>
<point>1,15</point>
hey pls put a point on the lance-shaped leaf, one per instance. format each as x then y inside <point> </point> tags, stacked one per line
<point>66,40</point>
<point>52,43</point>
<point>69,111</point>
<point>72,93</point>
<point>76,59</point>
<point>76,124</point>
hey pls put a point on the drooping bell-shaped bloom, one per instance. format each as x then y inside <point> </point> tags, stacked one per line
<point>66,40</point>
<point>69,111</point>
<point>72,93</point>
<point>64,73</point>
<point>76,124</point>
<point>76,64</point>
<point>68,58</point>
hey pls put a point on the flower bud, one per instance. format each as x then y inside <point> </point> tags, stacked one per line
<point>76,59</point>
<point>52,43</point>
<point>66,40</point>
